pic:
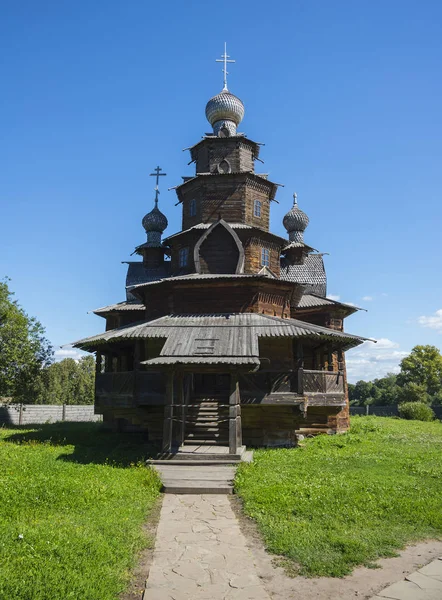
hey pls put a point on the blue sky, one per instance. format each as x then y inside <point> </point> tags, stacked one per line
<point>345,95</point>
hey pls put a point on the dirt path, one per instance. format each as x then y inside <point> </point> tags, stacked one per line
<point>361,585</point>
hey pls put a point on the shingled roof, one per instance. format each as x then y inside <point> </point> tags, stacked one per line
<point>316,301</point>
<point>311,274</point>
<point>133,305</point>
<point>234,335</point>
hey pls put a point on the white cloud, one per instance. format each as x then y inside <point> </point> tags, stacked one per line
<point>367,298</point>
<point>334,297</point>
<point>62,353</point>
<point>433,322</point>
<point>370,361</point>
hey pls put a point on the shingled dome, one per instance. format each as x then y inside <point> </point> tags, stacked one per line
<point>225,111</point>
<point>295,222</point>
<point>155,221</point>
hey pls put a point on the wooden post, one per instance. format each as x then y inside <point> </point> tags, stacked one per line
<point>168,414</point>
<point>98,363</point>
<point>330,358</point>
<point>300,365</point>
<point>20,414</point>
<point>137,353</point>
<point>300,382</point>
<point>63,412</point>
<point>235,428</point>
<point>180,384</point>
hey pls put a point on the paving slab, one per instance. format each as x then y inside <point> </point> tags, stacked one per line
<point>196,479</point>
<point>424,584</point>
<point>201,554</point>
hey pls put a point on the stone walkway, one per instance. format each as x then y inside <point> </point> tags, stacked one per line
<point>201,554</point>
<point>424,584</point>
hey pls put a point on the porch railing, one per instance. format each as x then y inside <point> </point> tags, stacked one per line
<point>322,382</point>
<point>301,382</point>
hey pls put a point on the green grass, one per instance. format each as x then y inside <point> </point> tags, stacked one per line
<point>73,501</point>
<point>347,500</point>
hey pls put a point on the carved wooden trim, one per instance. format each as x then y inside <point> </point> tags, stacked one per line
<point>222,223</point>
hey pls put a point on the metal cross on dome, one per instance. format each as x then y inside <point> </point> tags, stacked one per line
<point>225,59</point>
<point>157,174</point>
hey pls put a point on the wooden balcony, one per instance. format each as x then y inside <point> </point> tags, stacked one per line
<point>142,388</point>
<point>293,387</point>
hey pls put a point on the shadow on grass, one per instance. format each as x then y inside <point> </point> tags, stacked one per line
<point>92,443</point>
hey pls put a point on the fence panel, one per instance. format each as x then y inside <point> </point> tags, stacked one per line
<point>30,414</point>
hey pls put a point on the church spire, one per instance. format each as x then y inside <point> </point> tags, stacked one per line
<point>225,59</point>
<point>225,111</point>
<point>155,222</point>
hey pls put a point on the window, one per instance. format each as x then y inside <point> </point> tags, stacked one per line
<point>257,208</point>
<point>192,208</point>
<point>182,257</point>
<point>265,257</point>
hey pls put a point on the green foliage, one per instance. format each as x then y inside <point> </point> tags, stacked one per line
<point>387,390</point>
<point>420,380</point>
<point>347,500</point>
<point>68,382</point>
<point>416,411</point>
<point>24,350</point>
<point>423,367</point>
<point>414,392</point>
<point>366,393</point>
<point>72,520</point>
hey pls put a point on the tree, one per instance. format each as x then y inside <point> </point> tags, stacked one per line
<point>68,382</point>
<point>365,392</point>
<point>422,368</point>
<point>24,350</point>
<point>388,390</point>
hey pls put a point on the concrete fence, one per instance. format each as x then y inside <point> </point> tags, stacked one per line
<point>27,414</point>
<point>386,411</point>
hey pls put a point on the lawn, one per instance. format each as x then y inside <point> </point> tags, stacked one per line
<point>73,501</point>
<point>347,500</point>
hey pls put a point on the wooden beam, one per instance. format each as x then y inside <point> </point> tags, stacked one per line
<point>168,414</point>
<point>235,430</point>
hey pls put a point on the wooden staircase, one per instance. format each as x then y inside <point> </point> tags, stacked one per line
<point>207,420</point>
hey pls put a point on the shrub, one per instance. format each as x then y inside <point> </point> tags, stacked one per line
<point>416,411</point>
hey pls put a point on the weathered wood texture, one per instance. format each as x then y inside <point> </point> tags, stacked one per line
<point>148,420</point>
<point>253,255</point>
<point>219,252</point>
<point>269,425</point>
<point>210,152</point>
<point>230,197</point>
<point>268,296</point>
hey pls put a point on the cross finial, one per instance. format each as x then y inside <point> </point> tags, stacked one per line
<point>157,174</point>
<point>295,199</point>
<point>225,59</point>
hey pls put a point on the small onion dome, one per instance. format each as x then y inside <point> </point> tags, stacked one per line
<point>225,111</point>
<point>295,222</point>
<point>155,221</point>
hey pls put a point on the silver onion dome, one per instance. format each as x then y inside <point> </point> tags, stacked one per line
<point>225,111</point>
<point>154,224</point>
<point>295,222</point>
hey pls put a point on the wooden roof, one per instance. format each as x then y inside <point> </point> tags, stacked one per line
<point>232,334</point>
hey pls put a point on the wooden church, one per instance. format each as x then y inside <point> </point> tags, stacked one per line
<point>226,336</point>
